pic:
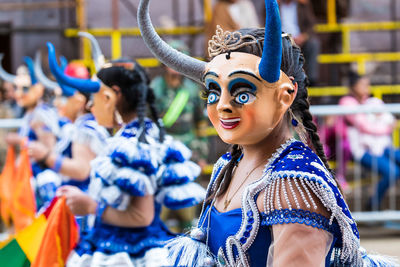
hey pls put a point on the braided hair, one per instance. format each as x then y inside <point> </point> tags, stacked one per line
<point>292,65</point>
<point>137,95</point>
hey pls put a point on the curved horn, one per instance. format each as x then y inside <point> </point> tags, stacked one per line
<point>82,85</point>
<point>4,74</point>
<point>180,62</point>
<point>63,62</point>
<point>66,90</point>
<point>97,55</point>
<point>42,78</point>
<point>29,64</point>
<point>270,64</point>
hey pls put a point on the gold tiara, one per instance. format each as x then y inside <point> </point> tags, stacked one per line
<point>224,41</point>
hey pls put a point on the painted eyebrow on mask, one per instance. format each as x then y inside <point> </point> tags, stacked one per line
<point>245,73</point>
<point>210,73</point>
<point>233,85</point>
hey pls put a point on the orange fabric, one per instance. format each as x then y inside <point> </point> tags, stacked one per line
<point>6,185</point>
<point>24,204</point>
<point>60,237</point>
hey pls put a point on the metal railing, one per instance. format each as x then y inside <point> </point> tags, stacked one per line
<point>362,182</point>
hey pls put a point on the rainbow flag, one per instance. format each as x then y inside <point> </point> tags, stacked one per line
<point>46,242</point>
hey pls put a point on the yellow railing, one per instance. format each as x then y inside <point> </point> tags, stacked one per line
<point>377,90</point>
<point>331,26</point>
<point>346,28</point>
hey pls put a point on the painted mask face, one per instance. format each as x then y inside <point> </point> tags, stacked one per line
<point>243,108</point>
<point>29,96</point>
<point>104,106</point>
<point>26,95</point>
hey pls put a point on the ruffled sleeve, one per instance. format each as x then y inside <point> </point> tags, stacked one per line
<point>176,176</point>
<point>48,117</point>
<point>129,165</point>
<point>91,133</point>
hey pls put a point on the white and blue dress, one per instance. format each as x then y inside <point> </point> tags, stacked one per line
<point>130,168</point>
<point>294,178</point>
<point>87,132</point>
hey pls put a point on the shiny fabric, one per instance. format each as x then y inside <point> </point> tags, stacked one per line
<point>293,173</point>
<point>225,224</point>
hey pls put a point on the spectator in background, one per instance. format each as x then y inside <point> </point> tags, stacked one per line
<point>336,146</point>
<point>232,15</point>
<point>370,136</point>
<point>8,100</point>
<point>179,102</point>
<point>298,19</point>
<point>183,112</point>
<point>5,113</point>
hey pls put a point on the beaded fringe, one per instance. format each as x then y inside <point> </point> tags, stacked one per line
<point>283,183</point>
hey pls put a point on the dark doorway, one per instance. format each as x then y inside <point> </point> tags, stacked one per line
<point>5,45</point>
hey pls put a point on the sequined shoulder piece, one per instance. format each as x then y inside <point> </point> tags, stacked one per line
<point>294,183</point>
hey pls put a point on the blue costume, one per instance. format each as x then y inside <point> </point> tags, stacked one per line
<point>243,237</point>
<point>130,168</point>
<point>250,229</point>
<point>86,131</point>
<point>89,133</point>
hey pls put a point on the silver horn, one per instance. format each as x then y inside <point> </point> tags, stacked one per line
<point>188,66</point>
<point>97,55</point>
<point>42,78</point>
<point>4,74</point>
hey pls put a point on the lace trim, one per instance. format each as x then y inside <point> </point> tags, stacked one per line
<point>299,216</point>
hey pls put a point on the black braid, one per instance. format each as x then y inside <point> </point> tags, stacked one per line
<point>302,111</point>
<point>151,99</point>
<point>133,81</point>
<point>226,174</point>
<point>292,65</point>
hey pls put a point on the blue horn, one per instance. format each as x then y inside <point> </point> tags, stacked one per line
<point>270,65</point>
<point>83,85</point>
<point>4,74</point>
<point>63,62</point>
<point>67,91</point>
<point>29,64</point>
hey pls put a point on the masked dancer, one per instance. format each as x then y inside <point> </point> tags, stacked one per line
<point>39,124</point>
<point>272,200</point>
<point>140,170</point>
